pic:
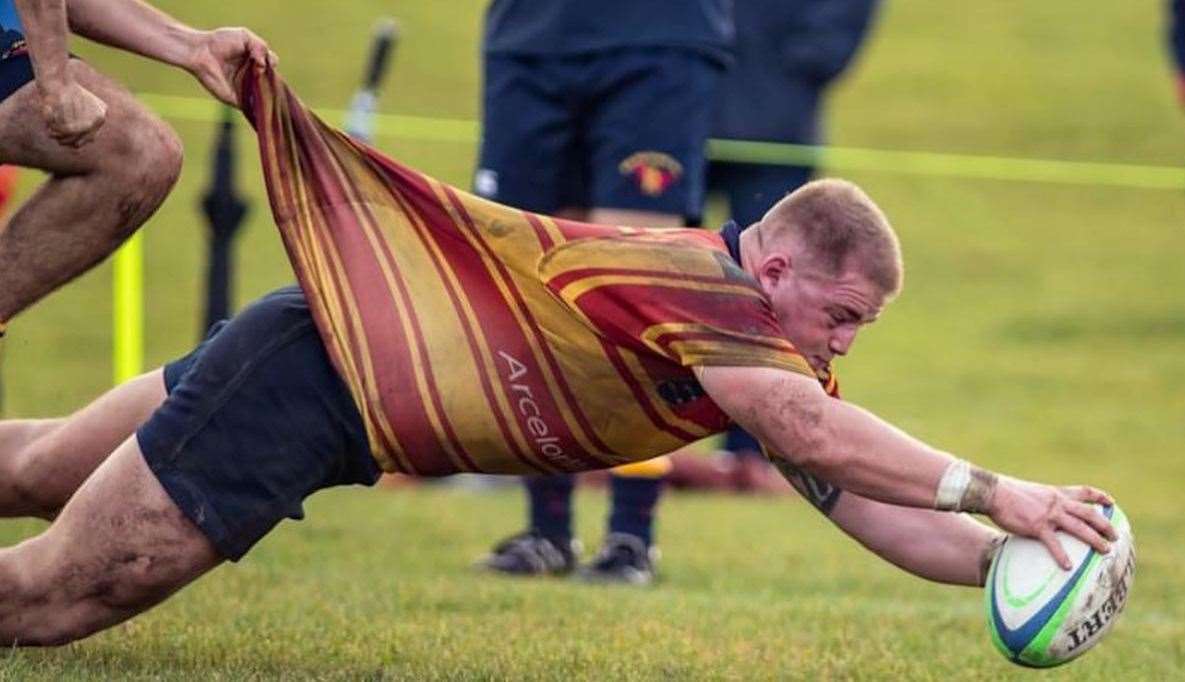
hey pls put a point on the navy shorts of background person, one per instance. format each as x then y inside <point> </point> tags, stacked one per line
<point>600,105</point>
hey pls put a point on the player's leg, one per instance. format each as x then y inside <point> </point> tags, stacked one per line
<point>627,553</point>
<point>43,461</point>
<point>647,134</point>
<point>527,155</point>
<point>752,188</point>
<point>95,197</point>
<point>119,546</point>
<point>259,421</point>
<point>547,546</point>
<point>528,133</point>
<point>646,140</point>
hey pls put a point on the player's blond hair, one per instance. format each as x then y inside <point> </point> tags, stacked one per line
<point>836,222</point>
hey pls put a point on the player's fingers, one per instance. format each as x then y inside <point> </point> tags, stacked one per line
<point>90,135</point>
<point>76,137</point>
<point>64,137</point>
<point>1090,514</point>
<point>1086,493</point>
<point>1049,539</point>
<point>84,139</point>
<point>1084,532</point>
<point>92,129</point>
<point>256,48</point>
<point>272,58</point>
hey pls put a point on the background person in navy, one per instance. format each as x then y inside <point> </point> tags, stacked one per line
<point>598,111</point>
<point>788,52</point>
<point>1176,39</point>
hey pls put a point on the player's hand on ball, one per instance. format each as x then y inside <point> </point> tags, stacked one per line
<point>1037,511</point>
<point>220,54</point>
<point>72,114</point>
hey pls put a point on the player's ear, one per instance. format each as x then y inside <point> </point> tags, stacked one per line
<point>774,268</point>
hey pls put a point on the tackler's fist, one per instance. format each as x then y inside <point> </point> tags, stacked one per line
<point>72,114</point>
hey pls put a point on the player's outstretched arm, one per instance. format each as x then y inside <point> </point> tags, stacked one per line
<point>856,451</point>
<point>938,546</point>
<point>72,113</point>
<point>213,57</point>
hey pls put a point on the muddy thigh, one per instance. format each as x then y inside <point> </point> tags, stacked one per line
<point>119,547</point>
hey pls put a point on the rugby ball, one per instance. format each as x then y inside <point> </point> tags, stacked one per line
<point>1040,615</point>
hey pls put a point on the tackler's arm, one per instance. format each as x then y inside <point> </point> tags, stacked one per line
<point>213,57</point>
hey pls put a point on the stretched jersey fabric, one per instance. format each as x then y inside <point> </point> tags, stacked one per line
<point>475,337</point>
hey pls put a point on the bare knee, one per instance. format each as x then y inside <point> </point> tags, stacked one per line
<point>75,602</point>
<point>160,156</point>
<point>37,486</point>
<point>144,165</point>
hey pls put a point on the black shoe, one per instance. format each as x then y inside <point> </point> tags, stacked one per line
<point>624,558</point>
<point>530,553</point>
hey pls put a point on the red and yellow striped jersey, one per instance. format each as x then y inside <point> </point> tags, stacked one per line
<point>479,338</point>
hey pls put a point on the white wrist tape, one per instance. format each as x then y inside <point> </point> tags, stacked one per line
<point>953,486</point>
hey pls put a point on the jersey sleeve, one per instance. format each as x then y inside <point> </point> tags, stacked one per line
<point>690,304</point>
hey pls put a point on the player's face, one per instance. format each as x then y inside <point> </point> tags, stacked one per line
<point>821,313</point>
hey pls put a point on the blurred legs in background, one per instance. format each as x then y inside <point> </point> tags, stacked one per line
<point>548,546</point>
<point>615,137</point>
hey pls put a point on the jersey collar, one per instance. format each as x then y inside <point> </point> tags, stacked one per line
<point>731,234</point>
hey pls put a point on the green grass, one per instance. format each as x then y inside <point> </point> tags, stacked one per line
<point>377,583</point>
<point>1041,332</point>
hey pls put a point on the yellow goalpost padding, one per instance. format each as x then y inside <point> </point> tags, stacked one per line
<point>128,310</point>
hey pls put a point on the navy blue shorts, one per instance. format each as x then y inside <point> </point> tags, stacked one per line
<point>15,72</point>
<point>256,420</point>
<point>623,130</point>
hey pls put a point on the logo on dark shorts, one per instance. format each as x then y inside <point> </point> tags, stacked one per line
<point>12,43</point>
<point>654,172</point>
<point>485,182</point>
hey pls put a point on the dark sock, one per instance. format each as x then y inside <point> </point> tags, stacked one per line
<point>634,500</point>
<point>739,442</point>
<point>551,505</point>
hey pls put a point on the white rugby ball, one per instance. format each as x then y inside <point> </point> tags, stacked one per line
<point>1040,615</point>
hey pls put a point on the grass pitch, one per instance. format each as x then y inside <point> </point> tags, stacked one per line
<point>378,585</point>
<point>1041,332</point>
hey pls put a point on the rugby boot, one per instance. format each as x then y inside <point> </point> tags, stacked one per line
<point>531,553</point>
<point>624,559</point>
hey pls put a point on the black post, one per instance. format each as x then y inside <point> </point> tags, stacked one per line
<point>225,211</point>
<point>360,120</point>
